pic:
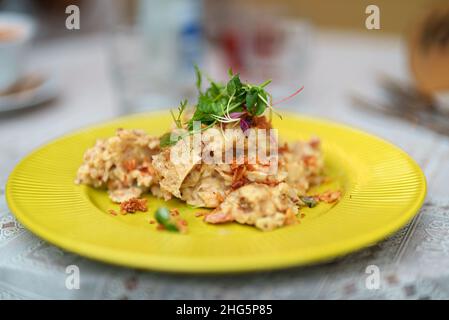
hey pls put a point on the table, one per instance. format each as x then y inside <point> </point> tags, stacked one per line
<point>412,264</point>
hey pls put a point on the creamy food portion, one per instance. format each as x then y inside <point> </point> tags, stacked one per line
<point>264,206</point>
<point>122,164</point>
<point>132,163</point>
<point>240,188</point>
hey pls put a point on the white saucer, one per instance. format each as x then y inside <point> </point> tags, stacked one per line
<point>32,90</point>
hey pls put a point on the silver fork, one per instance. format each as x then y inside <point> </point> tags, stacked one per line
<point>406,103</point>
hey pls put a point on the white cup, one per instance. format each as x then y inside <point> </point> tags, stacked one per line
<point>16,30</point>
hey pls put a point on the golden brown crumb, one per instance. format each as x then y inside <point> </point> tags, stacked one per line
<point>261,122</point>
<point>284,148</point>
<point>129,164</point>
<point>220,198</point>
<point>113,212</point>
<point>310,160</point>
<point>182,225</point>
<point>238,178</point>
<point>152,222</point>
<point>315,142</point>
<point>290,217</point>
<point>329,196</point>
<point>134,204</point>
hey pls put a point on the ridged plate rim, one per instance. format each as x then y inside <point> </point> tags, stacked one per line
<point>182,264</point>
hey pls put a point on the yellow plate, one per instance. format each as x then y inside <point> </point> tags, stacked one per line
<point>382,187</point>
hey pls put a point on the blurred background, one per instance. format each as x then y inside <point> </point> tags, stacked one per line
<point>129,56</point>
<point>138,55</point>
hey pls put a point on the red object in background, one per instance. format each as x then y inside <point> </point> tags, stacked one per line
<point>232,48</point>
<point>261,42</point>
<point>265,41</point>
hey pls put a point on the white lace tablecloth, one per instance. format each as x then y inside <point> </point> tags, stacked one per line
<point>412,264</point>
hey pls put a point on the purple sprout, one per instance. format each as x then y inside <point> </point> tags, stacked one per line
<point>235,115</point>
<point>244,124</point>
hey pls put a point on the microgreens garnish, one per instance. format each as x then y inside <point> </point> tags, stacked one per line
<point>177,119</point>
<point>166,140</point>
<point>230,103</point>
<point>234,102</point>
